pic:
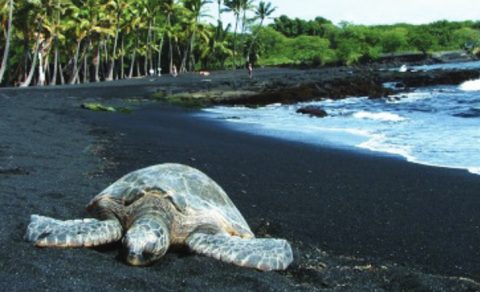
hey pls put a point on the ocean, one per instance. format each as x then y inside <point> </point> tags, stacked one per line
<point>437,126</point>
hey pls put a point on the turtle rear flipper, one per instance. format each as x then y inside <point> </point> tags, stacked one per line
<point>49,232</point>
<point>265,254</point>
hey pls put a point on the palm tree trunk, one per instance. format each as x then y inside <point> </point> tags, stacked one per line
<point>145,61</point>
<point>55,64</point>
<point>41,73</point>
<point>62,78</point>
<point>80,61</point>
<point>138,69</point>
<point>96,63</point>
<point>7,44</point>
<point>112,59</point>
<point>75,70</point>
<point>85,69</point>
<point>170,54</point>
<point>183,64</point>
<point>150,51</point>
<point>132,64</point>
<point>170,46</point>
<point>219,11</point>
<point>104,63</point>
<point>122,60</point>
<point>34,64</point>
<point>159,58</point>
<point>46,67</point>
<point>249,52</point>
<point>191,57</point>
<point>235,42</point>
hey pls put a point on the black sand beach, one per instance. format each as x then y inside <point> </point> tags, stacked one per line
<point>355,221</point>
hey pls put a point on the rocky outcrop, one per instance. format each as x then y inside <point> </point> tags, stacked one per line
<point>364,82</point>
<point>313,111</point>
<point>430,78</point>
<point>336,88</point>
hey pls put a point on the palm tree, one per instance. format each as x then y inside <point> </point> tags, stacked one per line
<point>195,8</point>
<point>56,24</point>
<point>246,5</point>
<point>7,41</point>
<point>169,8</point>
<point>219,11</point>
<point>234,6</point>
<point>262,11</point>
<point>30,21</point>
<point>132,27</point>
<point>151,11</point>
<point>218,48</point>
<point>119,7</point>
<point>91,21</point>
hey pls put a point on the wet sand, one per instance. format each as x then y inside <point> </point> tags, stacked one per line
<point>354,221</point>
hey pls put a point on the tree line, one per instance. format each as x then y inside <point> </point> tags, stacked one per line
<point>319,41</point>
<point>49,42</point>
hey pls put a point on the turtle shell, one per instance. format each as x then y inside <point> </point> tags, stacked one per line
<point>190,190</point>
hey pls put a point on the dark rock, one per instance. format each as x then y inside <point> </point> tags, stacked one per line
<point>471,113</point>
<point>335,88</point>
<point>314,111</point>
<point>434,77</point>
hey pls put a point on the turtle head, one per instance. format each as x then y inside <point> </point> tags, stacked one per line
<point>145,242</point>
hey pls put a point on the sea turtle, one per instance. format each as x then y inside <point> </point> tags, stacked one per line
<point>160,206</point>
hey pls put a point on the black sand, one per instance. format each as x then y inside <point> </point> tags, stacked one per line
<point>355,221</point>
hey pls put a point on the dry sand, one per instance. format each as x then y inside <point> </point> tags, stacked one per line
<point>354,221</point>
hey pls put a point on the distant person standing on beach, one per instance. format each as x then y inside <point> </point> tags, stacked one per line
<point>174,71</point>
<point>250,69</point>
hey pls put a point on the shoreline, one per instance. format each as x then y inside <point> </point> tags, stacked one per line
<point>242,128</point>
<point>269,85</point>
<point>354,221</point>
<point>204,130</point>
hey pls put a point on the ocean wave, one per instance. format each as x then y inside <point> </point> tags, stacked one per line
<point>470,113</point>
<point>409,97</point>
<point>470,85</point>
<point>474,170</point>
<point>378,143</point>
<point>381,116</point>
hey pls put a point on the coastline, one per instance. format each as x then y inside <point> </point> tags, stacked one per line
<point>344,179</point>
<point>354,220</point>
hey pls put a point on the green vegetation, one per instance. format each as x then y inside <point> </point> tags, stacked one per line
<point>348,43</point>
<point>49,42</point>
<point>98,107</point>
<point>200,98</point>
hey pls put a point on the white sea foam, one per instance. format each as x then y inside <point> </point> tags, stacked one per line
<point>470,85</point>
<point>449,66</point>
<point>424,126</point>
<point>409,97</point>
<point>378,143</point>
<point>474,170</point>
<point>382,116</point>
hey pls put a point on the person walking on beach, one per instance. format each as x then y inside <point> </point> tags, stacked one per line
<point>250,69</point>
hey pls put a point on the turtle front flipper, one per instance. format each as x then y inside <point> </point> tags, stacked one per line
<point>265,254</point>
<point>49,232</point>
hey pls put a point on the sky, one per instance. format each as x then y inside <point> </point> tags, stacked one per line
<point>375,11</point>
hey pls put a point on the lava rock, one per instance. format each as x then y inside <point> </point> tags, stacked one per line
<point>313,111</point>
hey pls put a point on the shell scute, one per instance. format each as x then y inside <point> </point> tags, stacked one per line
<point>187,187</point>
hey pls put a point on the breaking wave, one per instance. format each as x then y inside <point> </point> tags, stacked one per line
<point>382,116</point>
